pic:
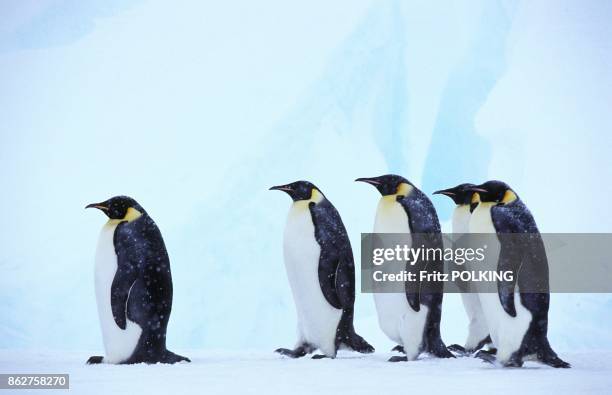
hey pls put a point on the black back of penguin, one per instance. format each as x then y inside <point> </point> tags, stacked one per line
<point>336,255</point>
<point>522,249</point>
<point>142,260</point>
<point>422,215</point>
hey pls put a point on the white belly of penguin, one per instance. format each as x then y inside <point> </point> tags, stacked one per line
<point>317,319</point>
<point>506,332</point>
<point>396,318</point>
<point>477,329</point>
<point>119,344</point>
<point>461,219</point>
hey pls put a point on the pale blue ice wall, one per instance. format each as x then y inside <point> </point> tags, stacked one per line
<point>196,109</point>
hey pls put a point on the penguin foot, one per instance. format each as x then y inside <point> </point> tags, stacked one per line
<point>437,348</point>
<point>458,349</point>
<point>555,362</point>
<point>359,344</point>
<point>442,353</point>
<point>398,348</point>
<point>548,356</point>
<point>514,363</point>
<point>397,358</point>
<point>94,360</point>
<point>319,356</point>
<point>485,356</point>
<point>490,351</point>
<point>170,357</point>
<point>297,353</point>
<point>351,340</point>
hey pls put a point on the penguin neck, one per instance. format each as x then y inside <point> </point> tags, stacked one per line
<point>131,215</point>
<point>315,197</point>
<point>403,190</point>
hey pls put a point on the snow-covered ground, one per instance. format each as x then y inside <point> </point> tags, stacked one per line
<point>257,372</point>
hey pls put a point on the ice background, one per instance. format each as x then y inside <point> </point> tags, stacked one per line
<point>196,108</point>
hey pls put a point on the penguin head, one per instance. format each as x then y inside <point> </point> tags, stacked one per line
<point>389,184</point>
<point>119,208</point>
<point>299,190</point>
<point>461,194</point>
<point>494,192</point>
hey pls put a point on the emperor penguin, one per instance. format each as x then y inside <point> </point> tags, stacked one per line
<point>133,286</point>
<point>478,332</point>
<point>321,271</point>
<point>410,319</point>
<point>517,321</point>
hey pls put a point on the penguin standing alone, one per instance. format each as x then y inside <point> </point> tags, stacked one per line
<point>478,332</point>
<point>321,272</point>
<point>133,286</point>
<point>411,319</point>
<point>517,321</point>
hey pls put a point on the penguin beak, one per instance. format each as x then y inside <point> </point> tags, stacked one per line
<point>370,181</point>
<point>285,188</point>
<point>99,206</point>
<point>447,192</point>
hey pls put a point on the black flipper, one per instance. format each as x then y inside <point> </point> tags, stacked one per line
<point>94,360</point>
<point>328,270</point>
<point>397,358</point>
<point>510,258</point>
<point>413,290</point>
<point>120,290</point>
<point>345,282</point>
<point>125,276</point>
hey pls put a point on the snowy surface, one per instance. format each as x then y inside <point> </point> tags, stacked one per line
<point>196,109</point>
<point>266,373</point>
